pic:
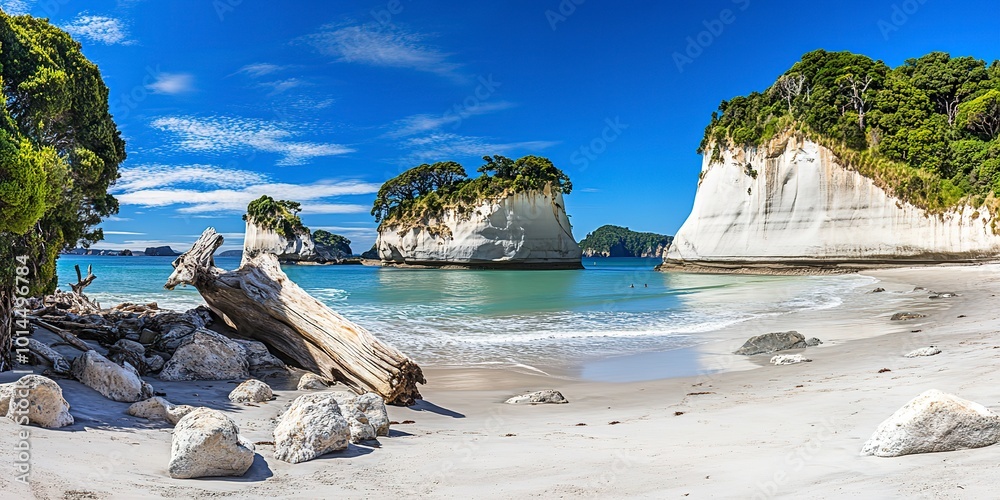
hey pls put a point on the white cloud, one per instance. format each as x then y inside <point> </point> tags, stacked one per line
<point>443,146</point>
<point>158,186</point>
<point>281,86</point>
<point>122,233</point>
<point>16,7</point>
<point>115,218</point>
<point>224,134</point>
<point>157,176</point>
<point>383,46</point>
<point>416,124</point>
<point>101,29</point>
<point>172,83</point>
<point>260,69</point>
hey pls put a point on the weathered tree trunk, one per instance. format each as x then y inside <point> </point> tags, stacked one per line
<point>6,328</point>
<point>82,282</point>
<point>262,303</point>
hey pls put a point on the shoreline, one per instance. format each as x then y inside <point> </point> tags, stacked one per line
<point>778,430</point>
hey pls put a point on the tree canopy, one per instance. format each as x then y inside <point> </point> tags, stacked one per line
<point>429,188</point>
<point>617,241</point>
<point>927,131</point>
<point>335,241</point>
<point>59,152</point>
<point>280,216</point>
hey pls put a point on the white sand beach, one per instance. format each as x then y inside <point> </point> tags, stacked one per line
<point>742,429</point>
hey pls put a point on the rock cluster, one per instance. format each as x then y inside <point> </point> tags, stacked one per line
<point>772,342</point>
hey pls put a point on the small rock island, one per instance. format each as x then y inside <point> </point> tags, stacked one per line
<point>273,226</point>
<point>511,217</point>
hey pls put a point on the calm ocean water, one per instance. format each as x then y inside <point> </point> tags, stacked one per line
<point>503,318</point>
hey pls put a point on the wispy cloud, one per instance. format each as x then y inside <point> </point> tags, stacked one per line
<point>122,233</point>
<point>16,7</point>
<point>281,86</point>
<point>100,29</point>
<point>385,46</point>
<point>421,123</point>
<point>442,146</point>
<point>172,83</point>
<point>260,69</point>
<point>225,134</point>
<point>205,190</point>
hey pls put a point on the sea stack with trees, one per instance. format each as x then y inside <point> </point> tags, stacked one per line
<point>274,226</point>
<point>617,241</point>
<point>513,216</point>
<point>845,163</point>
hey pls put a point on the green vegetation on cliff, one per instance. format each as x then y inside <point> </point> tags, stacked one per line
<point>332,241</point>
<point>925,131</point>
<point>427,190</point>
<point>617,241</point>
<point>280,216</point>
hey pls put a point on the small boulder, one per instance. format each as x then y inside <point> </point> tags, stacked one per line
<point>374,406</point>
<point>788,359</point>
<point>813,342</point>
<point>312,382</point>
<point>366,414</point>
<point>251,391</point>
<point>206,355</point>
<point>118,383</point>
<point>547,396</point>
<point>878,290</point>
<point>35,399</point>
<point>933,422</point>
<point>258,356</point>
<point>772,342</point>
<point>207,443</point>
<point>905,316</point>
<point>312,426</point>
<point>923,351</point>
<point>158,408</point>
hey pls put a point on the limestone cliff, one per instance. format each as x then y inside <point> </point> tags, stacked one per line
<point>301,248</point>
<point>791,202</point>
<point>522,230</point>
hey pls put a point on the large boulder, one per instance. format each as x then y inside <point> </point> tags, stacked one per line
<point>932,422</point>
<point>159,409</point>
<point>251,391</point>
<point>366,415</point>
<point>312,426</point>
<point>547,396</point>
<point>772,342</point>
<point>119,383</point>
<point>207,355</point>
<point>207,443</point>
<point>35,399</point>
<point>258,356</point>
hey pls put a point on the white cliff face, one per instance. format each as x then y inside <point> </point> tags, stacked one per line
<point>301,248</point>
<point>803,206</point>
<point>522,230</point>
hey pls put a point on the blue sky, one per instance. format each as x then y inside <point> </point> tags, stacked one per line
<point>221,101</point>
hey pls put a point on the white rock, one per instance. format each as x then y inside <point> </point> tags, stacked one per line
<point>803,203</point>
<point>119,383</point>
<point>207,355</point>
<point>35,399</point>
<point>301,248</point>
<point>932,422</point>
<point>251,391</point>
<point>158,408</point>
<point>312,426</point>
<point>366,415</point>
<point>258,356</point>
<point>923,351</point>
<point>788,359</point>
<point>374,407</point>
<point>523,229</point>
<point>538,397</point>
<point>312,382</point>
<point>207,443</point>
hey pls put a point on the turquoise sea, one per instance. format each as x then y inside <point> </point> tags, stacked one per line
<point>508,318</point>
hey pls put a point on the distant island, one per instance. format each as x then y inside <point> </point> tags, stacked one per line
<point>160,252</point>
<point>845,163</point>
<point>512,216</point>
<point>274,226</point>
<point>95,251</point>
<point>617,241</point>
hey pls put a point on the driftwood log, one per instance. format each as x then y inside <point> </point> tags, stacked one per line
<point>82,282</point>
<point>261,302</point>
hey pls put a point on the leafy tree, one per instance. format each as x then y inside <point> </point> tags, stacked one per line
<point>280,216</point>
<point>621,241</point>
<point>414,183</point>
<point>334,241</point>
<point>946,80</point>
<point>59,152</point>
<point>982,114</point>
